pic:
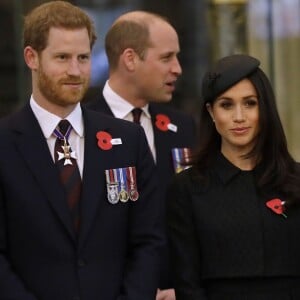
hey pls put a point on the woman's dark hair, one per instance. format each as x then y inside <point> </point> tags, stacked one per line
<point>279,170</point>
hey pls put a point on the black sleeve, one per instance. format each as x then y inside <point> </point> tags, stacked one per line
<point>183,242</point>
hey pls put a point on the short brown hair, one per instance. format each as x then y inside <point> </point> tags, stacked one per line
<point>129,31</point>
<point>58,14</point>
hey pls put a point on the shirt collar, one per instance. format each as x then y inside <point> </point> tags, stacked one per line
<point>49,121</point>
<point>225,169</point>
<point>119,106</point>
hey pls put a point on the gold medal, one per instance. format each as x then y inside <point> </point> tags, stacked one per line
<point>123,196</point>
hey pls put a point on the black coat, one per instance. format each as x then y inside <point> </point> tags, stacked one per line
<point>226,243</point>
<point>116,253</point>
<point>164,142</point>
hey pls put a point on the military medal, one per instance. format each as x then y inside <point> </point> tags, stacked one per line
<point>112,193</point>
<point>112,186</point>
<point>121,185</point>
<point>133,193</point>
<point>123,195</point>
<point>181,158</point>
<point>67,153</point>
<point>176,160</point>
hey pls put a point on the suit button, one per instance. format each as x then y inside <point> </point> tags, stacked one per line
<point>81,263</point>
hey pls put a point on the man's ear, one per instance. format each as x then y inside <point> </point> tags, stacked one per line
<point>129,58</point>
<point>31,58</point>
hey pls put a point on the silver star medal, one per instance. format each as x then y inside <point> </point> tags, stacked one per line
<point>66,154</point>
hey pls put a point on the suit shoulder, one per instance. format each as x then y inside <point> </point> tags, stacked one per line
<point>92,95</point>
<point>10,125</point>
<point>107,120</point>
<point>8,120</point>
<point>170,111</point>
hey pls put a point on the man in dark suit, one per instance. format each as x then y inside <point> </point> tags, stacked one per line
<point>81,221</point>
<point>142,51</point>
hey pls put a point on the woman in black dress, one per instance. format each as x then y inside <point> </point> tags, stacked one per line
<point>233,218</point>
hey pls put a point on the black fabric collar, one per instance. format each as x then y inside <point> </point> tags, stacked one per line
<point>224,168</point>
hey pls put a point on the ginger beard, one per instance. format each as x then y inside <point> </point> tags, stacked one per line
<point>64,91</point>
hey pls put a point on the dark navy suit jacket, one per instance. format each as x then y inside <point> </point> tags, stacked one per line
<point>116,253</point>
<point>164,142</point>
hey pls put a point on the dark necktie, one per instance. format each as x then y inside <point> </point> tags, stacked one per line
<point>68,169</point>
<point>136,113</point>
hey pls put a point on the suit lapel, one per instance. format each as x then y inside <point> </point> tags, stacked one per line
<point>93,189</point>
<point>160,138</point>
<point>35,152</point>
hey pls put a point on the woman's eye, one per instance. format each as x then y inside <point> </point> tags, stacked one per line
<point>225,105</point>
<point>251,102</point>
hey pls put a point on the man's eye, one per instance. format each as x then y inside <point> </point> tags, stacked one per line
<point>84,57</point>
<point>167,57</point>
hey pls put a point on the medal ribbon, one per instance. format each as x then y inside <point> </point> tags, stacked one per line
<point>60,136</point>
<point>131,177</point>
<point>181,158</point>
<point>122,178</point>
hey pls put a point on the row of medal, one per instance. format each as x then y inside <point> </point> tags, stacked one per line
<point>121,182</point>
<point>121,185</point>
<point>181,159</point>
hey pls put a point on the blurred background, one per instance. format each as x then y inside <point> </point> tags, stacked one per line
<point>207,29</point>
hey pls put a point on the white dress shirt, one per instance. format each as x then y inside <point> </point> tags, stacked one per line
<point>122,110</point>
<point>49,122</point>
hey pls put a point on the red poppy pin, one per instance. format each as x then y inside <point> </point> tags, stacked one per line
<point>277,206</point>
<point>163,123</point>
<point>105,140</point>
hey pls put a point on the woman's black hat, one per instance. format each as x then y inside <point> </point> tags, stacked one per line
<point>225,73</point>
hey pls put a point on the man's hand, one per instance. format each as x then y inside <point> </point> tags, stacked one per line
<point>165,294</point>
